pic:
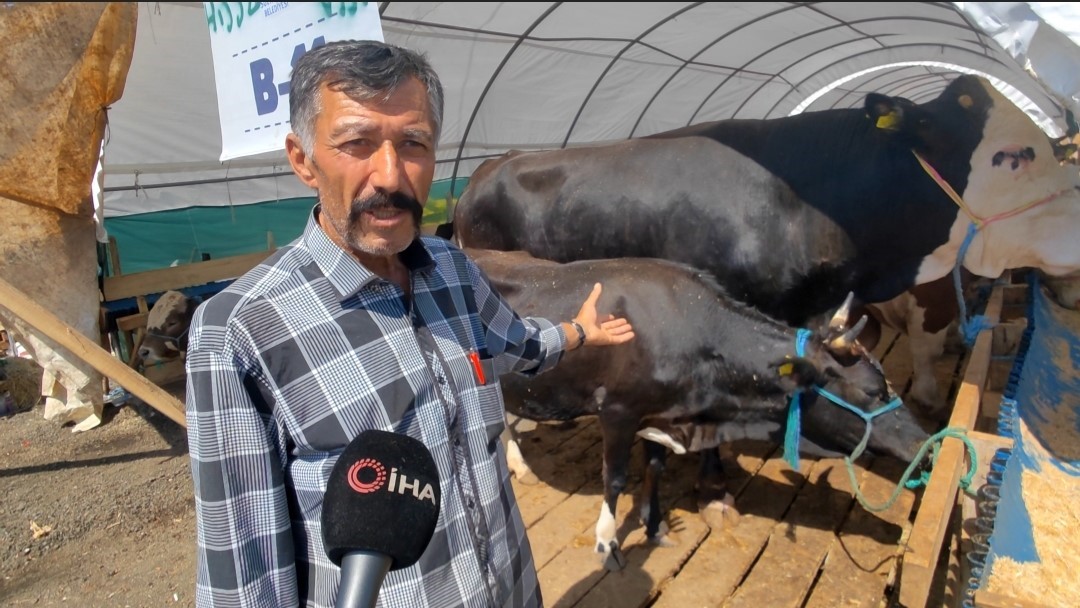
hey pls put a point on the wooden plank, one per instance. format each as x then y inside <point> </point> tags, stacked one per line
<point>546,446</point>
<point>178,277</point>
<point>572,523</point>
<point>1015,295</point>
<point>726,555</point>
<point>650,566</point>
<point>635,584</point>
<point>114,257</point>
<point>22,306</point>
<point>535,502</point>
<point>985,446</point>
<point>948,371</point>
<point>787,568</point>
<point>165,372</point>
<point>866,550</point>
<point>939,497</point>
<point>133,355</point>
<point>132,322</point>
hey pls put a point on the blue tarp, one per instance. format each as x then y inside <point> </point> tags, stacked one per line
<point>1041,413</point>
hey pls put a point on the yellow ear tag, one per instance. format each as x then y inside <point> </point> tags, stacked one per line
<point>888,121</point>
<point>786,369</point>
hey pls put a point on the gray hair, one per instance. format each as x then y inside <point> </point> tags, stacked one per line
<point>363,70</point>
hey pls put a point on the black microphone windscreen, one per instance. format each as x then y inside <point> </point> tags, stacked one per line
<point>383,496</point>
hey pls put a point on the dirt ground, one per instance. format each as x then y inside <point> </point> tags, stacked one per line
<point>112,509</point>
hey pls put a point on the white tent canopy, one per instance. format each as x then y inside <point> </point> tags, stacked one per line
<point>540,75</point>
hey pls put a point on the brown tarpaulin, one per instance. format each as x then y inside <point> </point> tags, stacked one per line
<point>61,65</point>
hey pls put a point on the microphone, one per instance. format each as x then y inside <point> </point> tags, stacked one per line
<point>379,511</point>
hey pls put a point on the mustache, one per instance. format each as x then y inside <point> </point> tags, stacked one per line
<point>382,200</point>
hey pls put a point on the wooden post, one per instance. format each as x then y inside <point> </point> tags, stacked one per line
<point>939,497</point>
<point>22,306</point>
<point>114,257</point>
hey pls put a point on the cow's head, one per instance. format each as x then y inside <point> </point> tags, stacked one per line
<point>167,328</point>
<point>1003,167</point>
<point>834,372</point>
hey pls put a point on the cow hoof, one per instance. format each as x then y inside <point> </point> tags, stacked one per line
<point>664,537</point>
<point>666,541</point>
<point>720,514</point>
<point>614,559</point>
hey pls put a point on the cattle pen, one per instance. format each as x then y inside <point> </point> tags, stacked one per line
<point>802,538</point>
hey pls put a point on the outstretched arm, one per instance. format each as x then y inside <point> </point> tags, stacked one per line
<point>597,332</point>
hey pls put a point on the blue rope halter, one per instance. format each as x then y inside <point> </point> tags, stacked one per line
<point>791,439</point>
<point>969,328</point>
<point>794,419</point>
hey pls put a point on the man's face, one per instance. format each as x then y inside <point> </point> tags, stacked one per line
<point>372,163</point>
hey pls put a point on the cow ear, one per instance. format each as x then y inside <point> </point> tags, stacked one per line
<point>799,370</point>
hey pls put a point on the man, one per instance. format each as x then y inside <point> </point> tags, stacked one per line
<point>359,324</point>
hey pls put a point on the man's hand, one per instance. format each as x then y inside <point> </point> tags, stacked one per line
<point>605,332</point>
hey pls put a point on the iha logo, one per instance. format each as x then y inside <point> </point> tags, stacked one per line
<point>375,471</point>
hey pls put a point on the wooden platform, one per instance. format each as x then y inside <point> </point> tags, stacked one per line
<point>802,538</point>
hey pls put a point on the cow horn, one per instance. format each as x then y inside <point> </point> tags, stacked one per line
<point>839,320</point>
<point>845,341</point>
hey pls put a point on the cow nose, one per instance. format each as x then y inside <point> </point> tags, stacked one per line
<point>144,352</point>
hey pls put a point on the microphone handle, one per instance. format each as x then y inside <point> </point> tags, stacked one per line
<point>362,574</point>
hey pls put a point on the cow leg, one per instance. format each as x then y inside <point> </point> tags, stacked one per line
<point>515,461</point>
<point>715,503</point>
<point>618,434</point>
<point>656,530</point>
<point>926,349</point>
<point>924,313</point>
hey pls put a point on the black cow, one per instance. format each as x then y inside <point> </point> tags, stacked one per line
<point>702,370</point>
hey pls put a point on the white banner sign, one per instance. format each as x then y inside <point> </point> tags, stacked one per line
<point>255,45</point>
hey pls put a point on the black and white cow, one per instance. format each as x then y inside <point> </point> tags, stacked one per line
<point>701,371</point>
<point>167,326</point>
<point>791,214</point>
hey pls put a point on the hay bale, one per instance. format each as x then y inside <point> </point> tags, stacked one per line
<point>21,379</point>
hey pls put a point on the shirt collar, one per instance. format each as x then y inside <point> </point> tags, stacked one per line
<point>344,272</point>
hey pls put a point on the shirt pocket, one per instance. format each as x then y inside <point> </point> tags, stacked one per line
<point>492,411</point>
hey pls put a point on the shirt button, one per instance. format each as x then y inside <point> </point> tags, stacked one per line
<point>457,442</point>
<point>441,380</point>
<point>471,505</point>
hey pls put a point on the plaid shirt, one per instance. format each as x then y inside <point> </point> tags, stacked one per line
<point>303,353</point>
